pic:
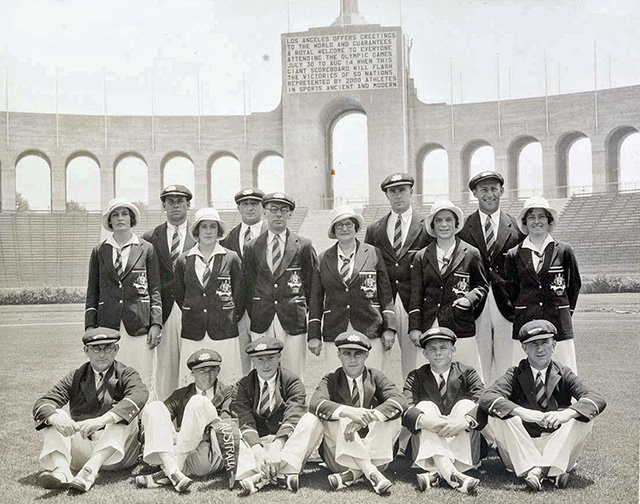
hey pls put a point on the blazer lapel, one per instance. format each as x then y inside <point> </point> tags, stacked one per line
<point>189,241</point>
<point>551,383</point>
<point>331,258</point>
<point>550,254</point>
<point>417,223</point>
<point>360,259</point>
<point>88,387</point>
<point>163,247</point>
<point>453,385</point>
<point>134,255</point>
<point>432,389</point>
<point>290,250</point>
<point>384,242</point>
<point>261,253</point>
<point>191,278</point>
<point>430,254</point>
<point>459,252</point>
<point>528,386</point>
<point>106,251</point>
<point>475,230</point>
<point>344,388</point>
<point>218,263</point>
<point>369,388</point>
<point>525,256</point>
<point>504,231</point>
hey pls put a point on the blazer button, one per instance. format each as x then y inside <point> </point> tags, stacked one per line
<point>348,306</point>
<point>204,294</point>
<point>539,286</point>
<point>205,310</point>
<point>397,282</point>
<point>275,302</point>
<point>346,289</point>
<point>540,304</point>
<point>397,265</point>
<point>438,305</point>
<point>120,301</point>
<point>275,285</point>
<point>120,285</point>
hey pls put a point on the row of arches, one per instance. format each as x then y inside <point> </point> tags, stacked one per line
<point>33,178</point>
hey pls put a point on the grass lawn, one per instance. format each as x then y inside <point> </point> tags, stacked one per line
<point>40,344</point>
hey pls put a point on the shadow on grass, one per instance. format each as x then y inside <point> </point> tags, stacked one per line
<point>31,480</point>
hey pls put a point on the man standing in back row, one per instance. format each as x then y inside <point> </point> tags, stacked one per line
<point>493,232</point>
<point>399,235</point>
<point>249,203</point>
<point>169,240</point>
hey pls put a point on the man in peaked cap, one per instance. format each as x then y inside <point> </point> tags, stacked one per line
<point>249,204</point>
<point>104,397</point>
<point>277,436</point>
<point>192,450</point>
<point>539,431</point>
<point>278,268</point>
<point>399,235</point>
<point>493,232</point>
<point>443,414</point>
<point>170,239</point>
<point>360,411</point>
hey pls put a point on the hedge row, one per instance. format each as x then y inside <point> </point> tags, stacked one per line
<point>599,284</point>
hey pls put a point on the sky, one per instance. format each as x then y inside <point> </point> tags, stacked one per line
<point>178,57</point>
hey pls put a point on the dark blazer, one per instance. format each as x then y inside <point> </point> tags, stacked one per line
<point>135,299</point>
<point>399,267</point>
<point>232,241</point>
<point>433,294</point>
<point>517,388</point>
<point>158,238</point>
<point>366,301</point>
<point>287,291</point>
<point>177,401</point>
<point>291,404</point>
<point>508,236</point>
<point>463,383</point>
<point>125,395</point>
<point>379,393</point>
<point>211,309</point>
<point>551,294</point>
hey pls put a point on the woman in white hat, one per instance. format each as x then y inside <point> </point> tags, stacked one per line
<point>448,282</point>
<point>123,291</point>
<point>352,293</point>
<point>209,291</point>
<point>543,280</point>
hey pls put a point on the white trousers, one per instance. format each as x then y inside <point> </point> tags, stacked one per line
<point>244,335</point>
<point>463,450</point>
<point>378,357</point>
<point>229,350</point>
<point>161,436</point>
<point>167,375</point>
<point>565,353</point>
<point>135,352</point>
<point>557,450</point>
<point>305,438</point>
<point>493,334</point>
<point>121,437</point>
<point>294,354</point>
<point>411,355</point>
<point>376,447</point>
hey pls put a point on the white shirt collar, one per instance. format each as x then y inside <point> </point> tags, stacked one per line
<point>217,249</point>
<point>271,382</point>
<point>271,235</point>
<point>494,216</point>
<point>437,375</point>
<point>208,393</point>
<point>134,240</point>
<point>534,371</point>
<point>527,243</point>
<point>406,215</point>
<point>181,227</point>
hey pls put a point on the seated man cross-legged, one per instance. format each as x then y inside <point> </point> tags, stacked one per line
<point>539,430</point>
<point>104,398</point>
<point>360,410</point>
<point>277,436</point>
<point>443,414</point>
<point>190,450</point>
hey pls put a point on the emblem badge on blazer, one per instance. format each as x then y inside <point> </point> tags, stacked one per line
<point>224,290</point>
<point>369,284</point>
<point>462,287</point>
<point>558,286</point>
<point>141,284</point>
<point>295,282</point>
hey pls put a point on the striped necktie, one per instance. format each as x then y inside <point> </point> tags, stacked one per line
<point>541,394</point>
<point>445,263</point>
<point>345,267</point>
<point>397,236</point>
<point>540,256</point>
<point>119,265</point>
<point>489,235</point>
<point>264,407</point>
<point>207,272</point>
<point>100,388</point>
<point>247,235</point>
<point>276,254</point>
<point>175,245</point>
<point>355,395</point>
<point>442,387</point>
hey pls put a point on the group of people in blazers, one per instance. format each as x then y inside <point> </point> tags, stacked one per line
<point>216,323</point>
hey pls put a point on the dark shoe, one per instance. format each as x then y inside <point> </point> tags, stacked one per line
<point>429,479</point>
<point>289,481</point>
<point>465,484</point>
<point>252,484</point>
<point>533,479</point>
<point>345,479</point>
<point>142,469</point>
<point>53,479</point>
<point>380,484</point>
<point>562,480</point>
<point>155,480</point>
<point>180,482</point>
<point>84,480</point>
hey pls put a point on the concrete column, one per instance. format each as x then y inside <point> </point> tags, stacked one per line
<point>501,156</point>
<point>58,184</point>
<point>154,181</point>
<point>107,180</point>
<point>201,189</point>
<point>246,170</point>
<point>599,165</point>
<point>549,169</point>
<point>457,186</point>
<point>8,183</point>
